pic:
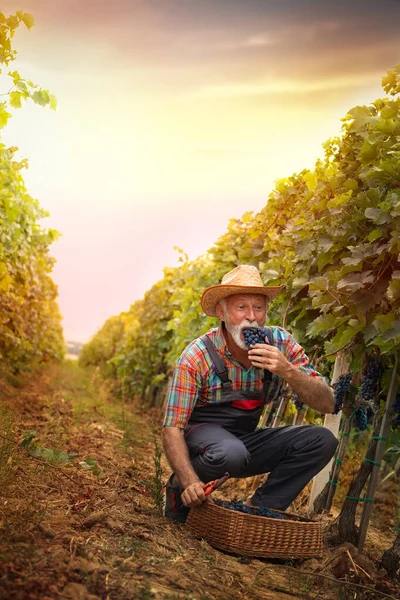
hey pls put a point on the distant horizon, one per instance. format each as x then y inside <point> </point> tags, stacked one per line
<point>174,117</point>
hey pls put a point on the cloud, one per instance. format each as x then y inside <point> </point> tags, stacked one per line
<point>286,86</point>
<point>259,41</point>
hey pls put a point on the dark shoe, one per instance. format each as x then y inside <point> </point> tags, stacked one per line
<point>173,508</point>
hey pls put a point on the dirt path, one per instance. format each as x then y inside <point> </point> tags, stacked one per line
<point>90,529</point>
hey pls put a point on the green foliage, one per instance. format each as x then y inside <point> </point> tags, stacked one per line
<point>391,81</point>
<point>331,236</point>
<point>28,437</point>
<point>155,483</point>
<point>30,323</point>
<point>147,338</point>
<point>101,349</point>
<point>50,455</point>
<point>19,89</point>
<point>90,464</point>
<point>392,455</point>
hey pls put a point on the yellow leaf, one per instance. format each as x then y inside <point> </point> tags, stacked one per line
<point>28,20</point>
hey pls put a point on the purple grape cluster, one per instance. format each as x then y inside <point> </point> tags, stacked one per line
<point>396,415</point>
<point>297,402</point>
<point>341,387</point>
<point>254,335</point>
<point>371,378</point>
<point>238,506</point>
<point>361,419</point>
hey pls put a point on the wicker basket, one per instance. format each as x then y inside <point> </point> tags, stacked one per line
<point>252,535</point>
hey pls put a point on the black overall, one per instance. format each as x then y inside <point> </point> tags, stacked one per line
<point>223,438</point>
<point>238,411</point>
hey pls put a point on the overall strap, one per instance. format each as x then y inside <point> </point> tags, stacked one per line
<point>269,335</point>
<point>267,378</point>
<point>267,374</point>
<point>218,361</point>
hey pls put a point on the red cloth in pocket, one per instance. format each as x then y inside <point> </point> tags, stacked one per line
<point>247,404</point>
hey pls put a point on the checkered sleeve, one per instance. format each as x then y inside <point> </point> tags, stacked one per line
<point>183,393</point>
<point>296,355</point>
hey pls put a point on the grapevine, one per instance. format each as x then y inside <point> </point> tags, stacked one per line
<point>254,335</point>
<point>341,387</point>
<point>238,506</point>
<point>361,419</point>
<point>371,380</point>
<point>315,312</point>
<point>297,402</point>
<point>396,415</point>
<point>30,322</point>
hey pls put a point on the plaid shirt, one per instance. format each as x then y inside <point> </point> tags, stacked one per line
<point>195,382</point>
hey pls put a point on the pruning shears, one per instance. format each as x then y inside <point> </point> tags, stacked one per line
<point>213,485</point>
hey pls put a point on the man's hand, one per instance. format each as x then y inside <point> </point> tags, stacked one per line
<point>193,495</point>
<point>270,358</point>
<point>313,391</point>
<point>178,457</point>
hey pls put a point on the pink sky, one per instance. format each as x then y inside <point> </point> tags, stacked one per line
<point>175,116</point>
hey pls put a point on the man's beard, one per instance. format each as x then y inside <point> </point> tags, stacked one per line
<point>236,330</point>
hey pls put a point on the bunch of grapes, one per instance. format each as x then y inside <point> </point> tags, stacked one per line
<point>297,402</point>
<point>396,410</point>
<point>361,419</point>
<point>238,506</point>
<point>371,379</point>
<point>254,335</point>
<point>340,390</point>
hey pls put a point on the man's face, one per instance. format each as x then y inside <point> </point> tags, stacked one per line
<point>240,311</point>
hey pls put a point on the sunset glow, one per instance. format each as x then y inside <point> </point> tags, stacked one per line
<point>174,117</point>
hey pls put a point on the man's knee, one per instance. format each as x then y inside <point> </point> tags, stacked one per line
<point>231,454</point>
<point>327,442</point>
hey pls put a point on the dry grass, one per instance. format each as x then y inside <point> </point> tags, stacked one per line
<point>66,533</point>
<point>7,446</point>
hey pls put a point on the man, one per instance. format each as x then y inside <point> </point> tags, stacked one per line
<point>217,394</point>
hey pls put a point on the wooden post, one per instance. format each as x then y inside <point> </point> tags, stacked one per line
<point>332,422</point>
<point>280,412</point>
<point>265,415</point>
<point>380,449</point>
<point>337,466</point>
<point>300,415</point>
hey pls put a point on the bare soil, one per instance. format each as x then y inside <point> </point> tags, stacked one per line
<point>91,528</point>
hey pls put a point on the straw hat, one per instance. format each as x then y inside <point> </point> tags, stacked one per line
<point>244,279</point>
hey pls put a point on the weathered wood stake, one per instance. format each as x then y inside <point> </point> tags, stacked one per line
<point>379,452</point>
<point>338,465</point>
<point>280,412</point>
<point>298,418</point>
<point>332,422</point>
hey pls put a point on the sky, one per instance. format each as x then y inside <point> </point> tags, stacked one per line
<point>173,117</point>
